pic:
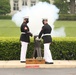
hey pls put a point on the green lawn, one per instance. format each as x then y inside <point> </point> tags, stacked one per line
<point>70,27</point>
<point>9,29</point>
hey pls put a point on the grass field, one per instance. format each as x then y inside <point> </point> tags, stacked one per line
<point>70,27</point>
<point>9,29</point>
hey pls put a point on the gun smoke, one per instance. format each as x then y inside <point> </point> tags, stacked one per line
<point>36,13</point>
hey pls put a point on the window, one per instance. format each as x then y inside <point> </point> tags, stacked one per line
<point>15,5</point>
<point>24,2</point>
<point>33,2</point>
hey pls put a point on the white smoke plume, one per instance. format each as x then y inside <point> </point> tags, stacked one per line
<point>36,14</point>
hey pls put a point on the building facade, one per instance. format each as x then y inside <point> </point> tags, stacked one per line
<point>16,5</point>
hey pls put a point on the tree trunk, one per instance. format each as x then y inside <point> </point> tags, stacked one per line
<point>72,6</point>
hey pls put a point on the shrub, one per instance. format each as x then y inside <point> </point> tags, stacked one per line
<point>67,17</point>
<point>64,48</point>
<point>62,6</point>
<point>5,17</point>
<point>61,48</point>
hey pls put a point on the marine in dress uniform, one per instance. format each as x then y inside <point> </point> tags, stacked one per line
<point>47,40</point>
<point>25,39</point>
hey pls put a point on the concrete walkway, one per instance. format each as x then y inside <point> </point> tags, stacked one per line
<point>57,64</point>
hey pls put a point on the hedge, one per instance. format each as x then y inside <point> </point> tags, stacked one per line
<point>67,17</point>
<point>61,48</point>
<point>61,17</point>
<point>5,17</point>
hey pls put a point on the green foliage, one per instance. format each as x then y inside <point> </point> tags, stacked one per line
<point>61,48</point>
<point>9,48</point>
<point>61,17</point>
<point>45,1</point>
<point>5,17</point>
<point>62,5</point>
<point>4,7</point>
<point>71,17</point>
<point>64,48</point>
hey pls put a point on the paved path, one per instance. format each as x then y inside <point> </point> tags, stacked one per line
<point>57,64</point>
<point>37,71</point>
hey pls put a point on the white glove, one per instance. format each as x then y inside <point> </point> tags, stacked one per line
<point>37,38</point>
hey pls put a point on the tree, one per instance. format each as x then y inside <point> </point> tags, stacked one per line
<point>45,1</point>
<point>4,7</point>
<point>62,5</point>
<point>72,6</point>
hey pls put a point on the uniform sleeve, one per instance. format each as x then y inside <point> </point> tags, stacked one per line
<point>41,32</point>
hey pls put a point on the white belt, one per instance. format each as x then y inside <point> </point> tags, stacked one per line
<point>46,34</point>
<point>23,33</point>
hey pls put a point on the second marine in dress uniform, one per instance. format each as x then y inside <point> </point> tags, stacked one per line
<point>47,40</point>
<point>25,39</point>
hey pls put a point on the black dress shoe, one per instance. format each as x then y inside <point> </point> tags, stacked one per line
<point>23,61</point>
<point>49,63</point>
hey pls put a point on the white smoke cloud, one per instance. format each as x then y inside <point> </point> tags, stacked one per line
<point>36,14</point>
<point>59,32</point>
